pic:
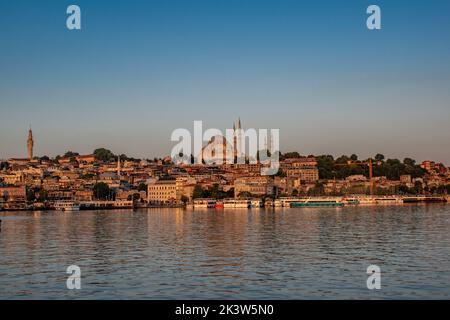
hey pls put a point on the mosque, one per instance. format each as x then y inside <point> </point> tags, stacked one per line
<point>219,150</point>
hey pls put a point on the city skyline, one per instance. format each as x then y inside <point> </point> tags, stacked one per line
<point>312,70</point>
<point>31,154</point>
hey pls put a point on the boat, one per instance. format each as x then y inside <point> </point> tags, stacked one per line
<point>424,199</point>
<point>256,203</point>
<point>67,206</point>
<point>351,201</point>
<point>219,205</point>
<point>388,200</point>
<point>204,203</point>
<point>318,203</point>
<point>286,201</point>
<point>236,203</point>
<point>277,203</point>
<point>273,203</point>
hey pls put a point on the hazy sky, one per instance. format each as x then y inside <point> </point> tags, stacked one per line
<point>140,69</point>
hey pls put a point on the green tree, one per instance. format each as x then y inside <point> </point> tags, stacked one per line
<point>198,192</point>
<point>70,154</point>
<point>142,187</point>
<point>184,199</point>
<point>101,191</point>
<point>42,196</point>
<point>31,194</point>
<point>103,154</point>
<point>317,190</point>
<point>409,162</point>
<point>325,164</point>
<point>293,154</point>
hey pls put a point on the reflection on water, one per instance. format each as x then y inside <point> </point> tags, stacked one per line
<point>296,253</point>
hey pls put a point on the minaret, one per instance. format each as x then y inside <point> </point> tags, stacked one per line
<point>234,143</point>
<point>30,144</point>
<point>118,166</point>
<point>239,128</point>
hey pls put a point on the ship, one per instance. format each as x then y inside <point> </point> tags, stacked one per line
<point>67,205</point>
<point>204,203</point>
<point>236,203</point>
<point>325,202</point>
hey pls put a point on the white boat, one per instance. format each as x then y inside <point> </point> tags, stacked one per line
<point>273,203</point>
<point>67,206</point>
<point>277,203</point>
<point>256,203</point>
<point>204,203</point>
<point>236,203</point>
<point>388,200</point>
<point>286,201</point>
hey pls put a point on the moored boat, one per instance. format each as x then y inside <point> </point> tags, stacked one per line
<point>318,203</point>
<point>204,203</point>
<point>67,206</point>
<point>236,203</point>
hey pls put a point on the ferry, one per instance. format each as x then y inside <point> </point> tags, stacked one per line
<point>204,203</point>
<point>67,206</point>
<point>351,201</point>
<point>388,200</point>
<point>286,201</point>
<point>273,203</point>
<point>318,203</point>
<point>106,205</point>
<point>219,205</point>
<point>236,203</point>
<point>424,199</point>
<point>256,203</point>
<point>367,201</point>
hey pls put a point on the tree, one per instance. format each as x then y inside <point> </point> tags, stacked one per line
<point>317,190</point>
<point>101,191</point>
<point>184,199</point>
<point>134,197</point>
<point>42,196</point>
<point>418,187</point>
<point>70,154</point>
<point>342,160</point>
<point>31,195</point>
<point>198,192</point>
<point>293,154</point>
<point>325,164</point>
<point>354,157</point>
<point>103,154</point>
<point>409,162</point>
<point>379,157</point>
<point>142,187</point>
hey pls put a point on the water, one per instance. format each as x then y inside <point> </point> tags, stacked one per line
<point>301,253</point>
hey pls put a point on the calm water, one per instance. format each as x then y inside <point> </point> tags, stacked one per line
<point>301,253</point>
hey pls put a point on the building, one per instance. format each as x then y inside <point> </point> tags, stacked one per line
<point>217,151</point>
<point>13,197</point>
<point>163,192</point>
<point>255,185</point>
<point>304,167</point>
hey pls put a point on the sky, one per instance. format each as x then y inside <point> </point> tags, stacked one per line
<point>137,70</point>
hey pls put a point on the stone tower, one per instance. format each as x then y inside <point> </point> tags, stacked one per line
<point>239,146</point>
<point>30,144</point>
<point>234,143</point>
